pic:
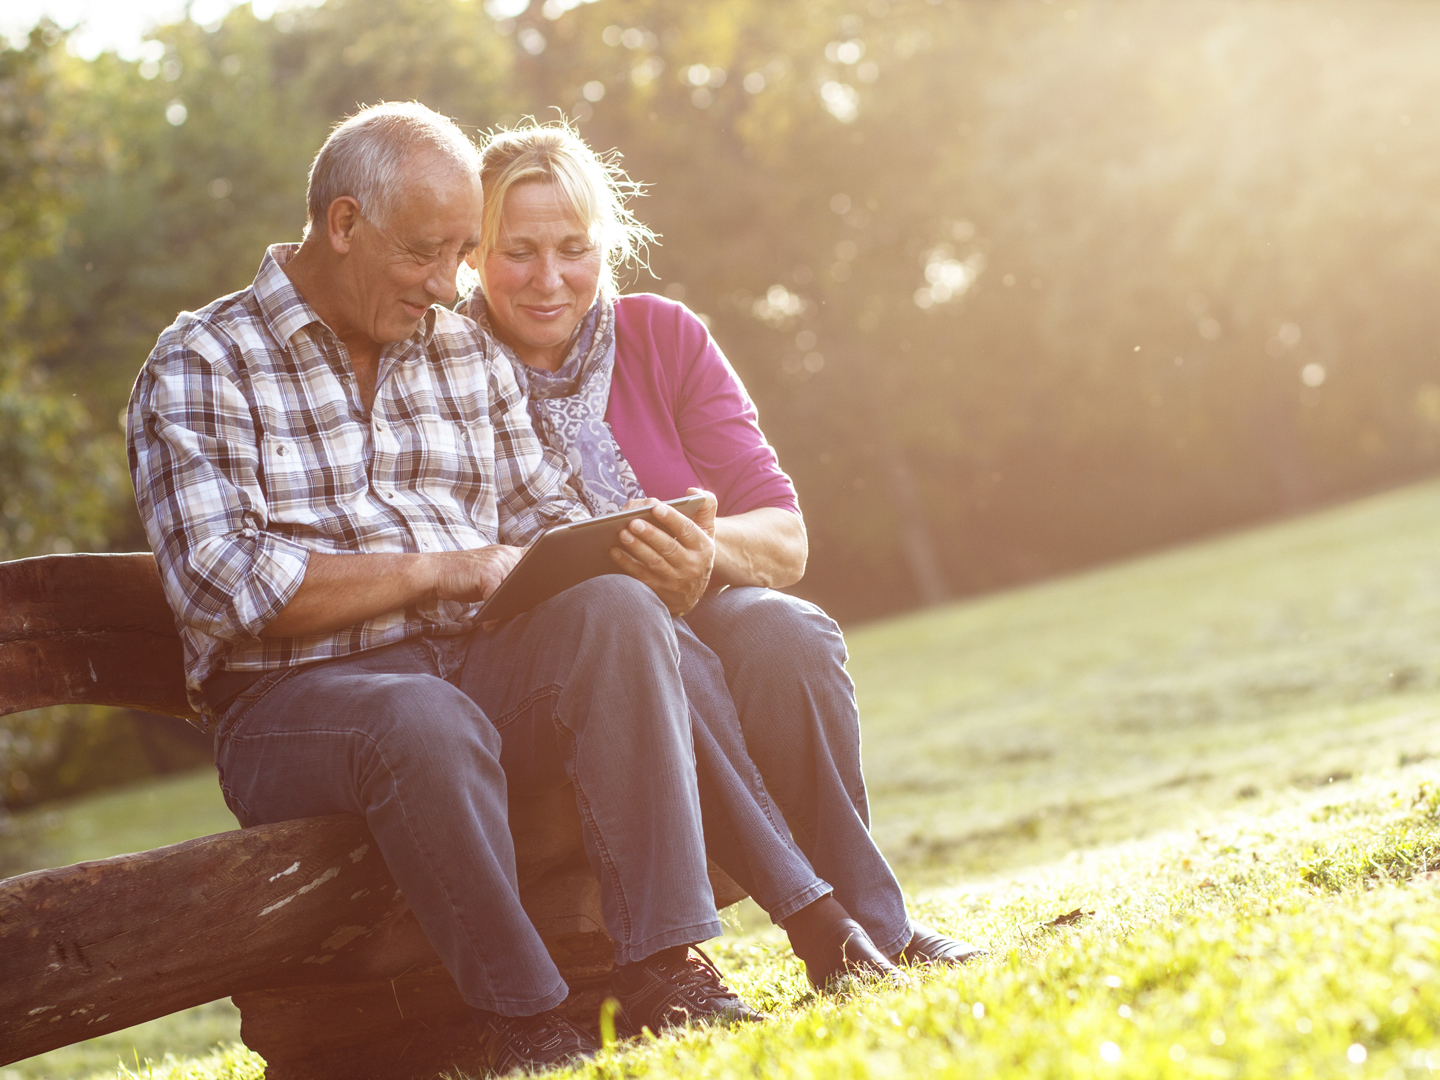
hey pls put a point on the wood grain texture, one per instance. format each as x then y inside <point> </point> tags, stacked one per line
<point>88,629</point>
<point>82,594</point>
<point>99,946</point>
<point>133,669</point>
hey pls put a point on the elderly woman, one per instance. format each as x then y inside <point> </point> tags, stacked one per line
<point>638,397</point>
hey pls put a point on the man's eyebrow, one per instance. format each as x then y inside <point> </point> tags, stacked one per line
<point>437,243</point>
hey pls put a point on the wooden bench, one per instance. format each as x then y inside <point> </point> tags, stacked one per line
<point>300,923</point>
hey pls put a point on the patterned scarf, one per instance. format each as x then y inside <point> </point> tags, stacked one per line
<point>567,407</point>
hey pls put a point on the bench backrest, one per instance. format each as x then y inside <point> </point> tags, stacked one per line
<point>88,629</point>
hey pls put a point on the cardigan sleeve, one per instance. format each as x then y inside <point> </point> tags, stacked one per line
<point>719,426</point>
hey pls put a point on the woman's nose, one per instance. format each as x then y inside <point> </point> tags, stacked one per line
<point>547,273</point>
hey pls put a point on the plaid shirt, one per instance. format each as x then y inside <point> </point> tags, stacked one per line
<point>249,449</point>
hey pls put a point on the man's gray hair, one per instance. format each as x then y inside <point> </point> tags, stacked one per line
<point>367,155</point>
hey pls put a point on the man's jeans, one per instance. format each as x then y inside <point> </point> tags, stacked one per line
<point>784,667</point>
<point>421,738</point>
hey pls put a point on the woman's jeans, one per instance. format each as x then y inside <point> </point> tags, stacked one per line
<point>783,662</point>
<point>745,833</point>
<point>422,739</point>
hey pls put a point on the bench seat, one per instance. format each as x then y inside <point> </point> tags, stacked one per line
<point>299,922</point>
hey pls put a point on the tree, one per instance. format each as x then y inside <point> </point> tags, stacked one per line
<point>61,478</point>
<point>930,234</point>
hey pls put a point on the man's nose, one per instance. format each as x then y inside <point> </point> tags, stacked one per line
<point>440,283</point>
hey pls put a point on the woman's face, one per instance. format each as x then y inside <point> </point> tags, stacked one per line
<point>542,276</point>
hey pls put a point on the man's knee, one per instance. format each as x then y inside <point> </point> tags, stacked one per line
<point>615,606</point>
<point>426,717</point>
<point>617,591</point>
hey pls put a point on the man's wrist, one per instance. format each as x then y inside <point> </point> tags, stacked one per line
<point>422,573</point>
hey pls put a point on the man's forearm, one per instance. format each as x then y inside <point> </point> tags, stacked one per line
<point>344,590</point>
<point>762,547</point>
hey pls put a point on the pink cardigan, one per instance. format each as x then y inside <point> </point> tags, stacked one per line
<point>681,415</point>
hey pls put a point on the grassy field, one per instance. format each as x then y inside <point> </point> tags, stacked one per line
<point>1224,758</point>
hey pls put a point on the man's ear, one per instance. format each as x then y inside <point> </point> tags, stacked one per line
<point>342,218</point>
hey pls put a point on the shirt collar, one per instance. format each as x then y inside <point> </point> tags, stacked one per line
<point>286,312</point>
<point>281,305</point>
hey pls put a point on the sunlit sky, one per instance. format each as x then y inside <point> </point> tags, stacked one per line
<point>116,24</point>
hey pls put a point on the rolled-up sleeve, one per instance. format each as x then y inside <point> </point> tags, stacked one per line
<point>195,463</point>
<point>533,485</point>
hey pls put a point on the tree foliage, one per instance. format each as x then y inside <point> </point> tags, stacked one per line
<point>59,480</point>
<point>1017,286</point>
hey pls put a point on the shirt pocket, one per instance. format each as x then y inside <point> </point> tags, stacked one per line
<point>309,481</point>
<point>443,457</point>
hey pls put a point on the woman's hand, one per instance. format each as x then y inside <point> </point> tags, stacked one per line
<point>674,557</point>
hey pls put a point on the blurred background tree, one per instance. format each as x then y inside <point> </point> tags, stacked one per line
<point>63,476</point>
<point>1018,287</point>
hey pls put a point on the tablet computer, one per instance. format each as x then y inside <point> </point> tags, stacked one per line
<point>567,555</point>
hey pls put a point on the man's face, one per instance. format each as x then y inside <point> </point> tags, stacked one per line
<point>401,266</point>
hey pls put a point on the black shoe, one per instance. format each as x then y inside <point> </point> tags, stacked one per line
<point>673,988</point>
<point>848,950</point>
<point>542,1041</point>
<point>928,947</point>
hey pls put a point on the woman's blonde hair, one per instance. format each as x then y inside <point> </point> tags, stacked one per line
<point>594,185</point>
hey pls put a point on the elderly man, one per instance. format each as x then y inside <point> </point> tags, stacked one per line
<point>332,471</point>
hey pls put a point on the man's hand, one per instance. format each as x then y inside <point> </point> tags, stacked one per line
<point>673,558</point>
<point>473,575</point>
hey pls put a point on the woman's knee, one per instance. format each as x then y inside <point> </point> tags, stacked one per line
<point>769,623</point>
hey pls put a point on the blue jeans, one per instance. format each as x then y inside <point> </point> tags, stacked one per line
<point>783,661</point>
<point>745,833</point>
<point>422,739</point>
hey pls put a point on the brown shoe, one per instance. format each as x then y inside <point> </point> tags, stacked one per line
<point>543,1041</point>
<point>848,950</point>
<point>928,947</point>
<point>673,988</point>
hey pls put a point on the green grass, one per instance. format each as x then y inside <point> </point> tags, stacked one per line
<point>1223,753</point>
<point>1095,708</point>
<point>196,1031</point>
<point>135,818</point>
